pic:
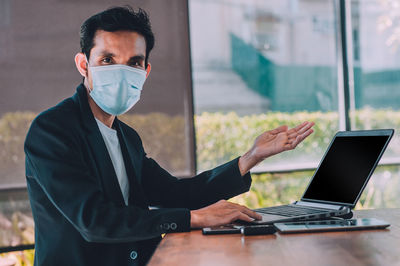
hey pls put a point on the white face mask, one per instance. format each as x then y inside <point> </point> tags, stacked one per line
<point>116,88</point>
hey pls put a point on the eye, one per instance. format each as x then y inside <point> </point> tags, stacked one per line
<point>106,60</point>
<point>136,64</point>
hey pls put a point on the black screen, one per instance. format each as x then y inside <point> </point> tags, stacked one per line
<point>345,168</point>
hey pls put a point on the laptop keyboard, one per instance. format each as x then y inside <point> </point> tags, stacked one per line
<point>290,210</point>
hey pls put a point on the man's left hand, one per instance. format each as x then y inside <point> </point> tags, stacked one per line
<point>273,142</point>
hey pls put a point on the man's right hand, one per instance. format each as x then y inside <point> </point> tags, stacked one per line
<point>220,213</point>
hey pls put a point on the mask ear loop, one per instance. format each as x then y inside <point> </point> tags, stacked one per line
<point>87,73</point>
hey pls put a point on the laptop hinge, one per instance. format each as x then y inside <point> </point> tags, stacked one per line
<point>319,205</point>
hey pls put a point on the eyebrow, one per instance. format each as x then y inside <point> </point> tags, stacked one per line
<point>133,58</point>
<point>106,53</point>
<point>137,57</point>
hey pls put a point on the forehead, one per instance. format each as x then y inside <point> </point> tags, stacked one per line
<point>119,42</point>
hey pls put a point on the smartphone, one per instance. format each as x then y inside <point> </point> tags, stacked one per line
<point>223,229</point>
<point>331,225</point>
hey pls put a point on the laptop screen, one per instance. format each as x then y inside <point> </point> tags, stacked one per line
<point>346,167</point>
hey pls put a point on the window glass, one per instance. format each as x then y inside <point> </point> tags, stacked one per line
<point>38,42</point>
<point>37,71</point>
<point>283,188</point>
<point>375,27</point>
<point>258,65</point>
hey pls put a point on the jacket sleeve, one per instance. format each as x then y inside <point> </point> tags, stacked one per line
<point>222,182</point>
<point>54,161</point>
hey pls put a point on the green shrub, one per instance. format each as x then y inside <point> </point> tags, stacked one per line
<point>222,137</point>
<point>219,137</point>
<point>282,188</point>
<point>21,258</point>
<point>13,129</point>
<point>163,138</point>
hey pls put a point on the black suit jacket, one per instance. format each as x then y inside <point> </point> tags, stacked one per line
<point>78,208</point>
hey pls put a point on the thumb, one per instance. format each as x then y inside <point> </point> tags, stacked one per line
<point>279,130</point>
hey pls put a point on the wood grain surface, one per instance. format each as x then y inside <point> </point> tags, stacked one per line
<point>368,247</point>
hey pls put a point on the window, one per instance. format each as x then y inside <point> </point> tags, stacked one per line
<point>377,69</point>
<point>38,44</point>
<point>260,64</point>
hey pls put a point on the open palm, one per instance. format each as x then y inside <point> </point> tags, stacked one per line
<point>281,139</point>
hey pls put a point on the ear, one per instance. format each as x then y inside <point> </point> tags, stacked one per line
<point>81,63</point>
<point>148,69</point>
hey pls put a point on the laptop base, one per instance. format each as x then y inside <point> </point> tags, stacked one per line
<point>346,216</point>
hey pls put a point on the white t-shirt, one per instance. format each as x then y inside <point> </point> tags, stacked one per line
<point>114,150</point>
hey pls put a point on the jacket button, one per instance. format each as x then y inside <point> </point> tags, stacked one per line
<point>166,226</point>
<point>133,255</point>
<point>173,226</point>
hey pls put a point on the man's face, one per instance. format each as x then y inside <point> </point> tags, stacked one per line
<point>120,47</point>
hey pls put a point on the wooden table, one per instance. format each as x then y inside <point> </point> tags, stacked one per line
<point>369,247</point>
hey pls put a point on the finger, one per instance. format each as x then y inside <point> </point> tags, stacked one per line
<point>296,128</point>
<point>304,124</point>
<point>292,143</point>
<point>299,127</point>
<point>306,134</point>
<point>243,217</point>
<point>255,215</point>
<point>279,129</point>
<point>247,211</point>
<point>293,135</point>
<point>250,213</point>
<point>300,138</point>
<point>300,130</point>
<point>305,128</point>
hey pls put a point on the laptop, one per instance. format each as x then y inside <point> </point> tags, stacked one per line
<point>339,180</point>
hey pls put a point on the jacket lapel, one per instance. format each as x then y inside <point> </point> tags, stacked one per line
<point>129,147</point>
<point>133,160</point>
<point>105,168</point>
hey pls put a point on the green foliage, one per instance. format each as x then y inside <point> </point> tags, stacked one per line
<point>274,189</point>
<point>17,229</point>
<point>163,138</point>
<point>222,137</point>
<point>219,138</point>
<point>13,129</point>
<point>271,189</point>
<point>20,258</point>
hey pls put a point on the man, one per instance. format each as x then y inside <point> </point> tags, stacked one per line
<point>90,182</point>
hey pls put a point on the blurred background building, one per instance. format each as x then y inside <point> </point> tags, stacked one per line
<point>286,52</point>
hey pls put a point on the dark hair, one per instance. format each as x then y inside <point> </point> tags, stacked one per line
<point>115,19</point>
